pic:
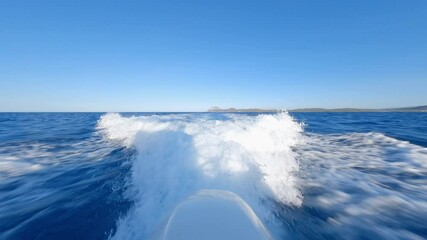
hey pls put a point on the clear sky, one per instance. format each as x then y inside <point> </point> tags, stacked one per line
<point>192,55</point>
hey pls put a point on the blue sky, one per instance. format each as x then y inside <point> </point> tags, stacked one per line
<point>192,55</point>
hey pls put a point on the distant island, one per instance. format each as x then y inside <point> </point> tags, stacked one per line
<point>405,109</point>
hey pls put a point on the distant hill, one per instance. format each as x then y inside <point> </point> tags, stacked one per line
<point>416,109</point>
<point>405,109</point>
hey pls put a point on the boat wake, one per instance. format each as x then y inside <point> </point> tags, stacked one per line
<point>179,155</point>
<point>357,185</point>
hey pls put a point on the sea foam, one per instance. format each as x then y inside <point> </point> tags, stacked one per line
<point>178,155</point>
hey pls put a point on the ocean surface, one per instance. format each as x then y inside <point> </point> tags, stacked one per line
<point>306,175</point>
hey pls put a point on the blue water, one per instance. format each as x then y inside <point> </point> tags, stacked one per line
<point>361,176</point>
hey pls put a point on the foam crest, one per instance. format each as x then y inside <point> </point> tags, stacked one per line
<point>365,183</point>
<point>176,156</point>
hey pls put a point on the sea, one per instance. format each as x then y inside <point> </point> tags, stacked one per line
<point>305,175</point>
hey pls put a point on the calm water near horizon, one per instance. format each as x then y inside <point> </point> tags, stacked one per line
<point>306,175</point>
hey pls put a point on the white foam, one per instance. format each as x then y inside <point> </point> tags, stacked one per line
<point>364,181</point>
<point>249,155</point>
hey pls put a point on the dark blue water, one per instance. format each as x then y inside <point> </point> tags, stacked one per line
<point>361,175</point>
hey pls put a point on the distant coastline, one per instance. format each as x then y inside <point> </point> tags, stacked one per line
<point>405,109</point>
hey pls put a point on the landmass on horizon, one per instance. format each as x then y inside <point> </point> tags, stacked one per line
<point>404,109</point>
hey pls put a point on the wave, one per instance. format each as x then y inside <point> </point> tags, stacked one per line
<point>361,185</point>
<point>178,155</point>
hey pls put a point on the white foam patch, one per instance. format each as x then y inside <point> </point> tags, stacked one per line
<point>364,182</point>
<point>177,156</point>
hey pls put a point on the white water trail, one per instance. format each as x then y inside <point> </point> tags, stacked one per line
<point>177,155</point>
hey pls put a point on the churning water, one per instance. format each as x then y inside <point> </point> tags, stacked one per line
<point>306,175</point>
